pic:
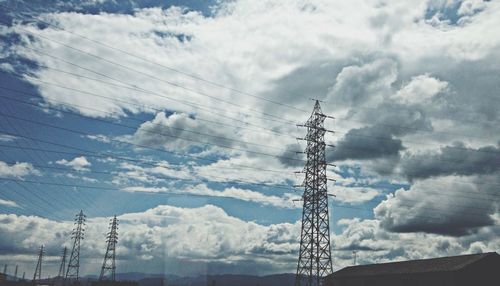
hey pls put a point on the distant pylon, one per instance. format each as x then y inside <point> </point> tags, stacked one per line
<point>74,259</point>
<point>62,267</point>
<point>315,260</point>
<point>38,270</point>
<point>108,265</point>
<point>15,272</point>
<point>5,269</point>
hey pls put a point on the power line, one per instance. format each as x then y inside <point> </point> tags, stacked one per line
<point>289,121</point>
<point>146,146</point>
<point>141,121</point>
<point>29,200</point>
<point>272,117</point>
<point>131,118</point>
<point>128,86</point>
<point>145,162</point>
<point>193,76</point>
<point>93,154</point>
<point>161,150</point>
<point>67,201</point>
<point>233,182</point>
<point>167,193</point>
<point>33,193</point>
<point>350,134</point>
<point>114,189</point>
<point>132,55</point>
<point>208,110</point>
<point>157,164</point>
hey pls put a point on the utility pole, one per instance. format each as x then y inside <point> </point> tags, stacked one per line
<point>5,269</point>
<point>108,265</point>
<point>38,270</point>
<point>62,267</point>
<point>355,256</point>
<point>77,236</point>
<point>15,273</point>
<point>315,261</point>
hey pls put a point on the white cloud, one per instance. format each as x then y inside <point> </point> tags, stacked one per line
<point>450,205</point>
<point>9,203</point>
<point>421,88</point>
<point>17,170</point>
<point>377,66</point>
<point>78,163</point>
<point>6,138</point>
<point>164,235</point>
<point>375,244</point>
<point>284,201</point>
<point>354,195</point>
<point>469,7</point>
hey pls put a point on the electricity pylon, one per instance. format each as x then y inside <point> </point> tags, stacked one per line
<point>73,270</point>
<point>62,268</point>
<point>315,261</point>
<point>109,266</point>
<point>38,269</point>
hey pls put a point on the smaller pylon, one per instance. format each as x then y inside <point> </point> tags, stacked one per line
<point>62,268</point>
<point>15,272</point>
<point>73,271</point>
<point>109,265</point>
<point>38,270</point>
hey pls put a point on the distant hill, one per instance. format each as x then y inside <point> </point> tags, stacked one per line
<point>146,279</point>
<point>222,280</point>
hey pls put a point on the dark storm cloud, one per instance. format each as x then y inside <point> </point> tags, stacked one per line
<point>445,205</point>
<point>178,130</point>
<point>310,81</point>
<point>290,157</point>
<point>365,143</point>
<point>457,226</point>
<point>452,160</point>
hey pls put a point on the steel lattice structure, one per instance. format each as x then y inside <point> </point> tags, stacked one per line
<point>74,259</point>
<point>109,266</point>
<point>315,260</point>
<point>62,268</point>
<point>38,269</point>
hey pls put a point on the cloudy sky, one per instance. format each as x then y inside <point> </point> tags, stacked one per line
<point>180,118</point>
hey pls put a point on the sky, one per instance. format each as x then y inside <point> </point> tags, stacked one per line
<point>180,117</point>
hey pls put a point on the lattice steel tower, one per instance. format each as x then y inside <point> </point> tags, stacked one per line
<point>62,267</point>
<point>74,259</point>
<point>315,260</point>
<point>109,266</point>
<point>38,269</point>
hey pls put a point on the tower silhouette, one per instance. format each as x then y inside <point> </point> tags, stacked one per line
<point>315,260</point>
<point>62,267</point>
<point>108,265</point>
<point>38,269</point>
<point>77,235</point>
